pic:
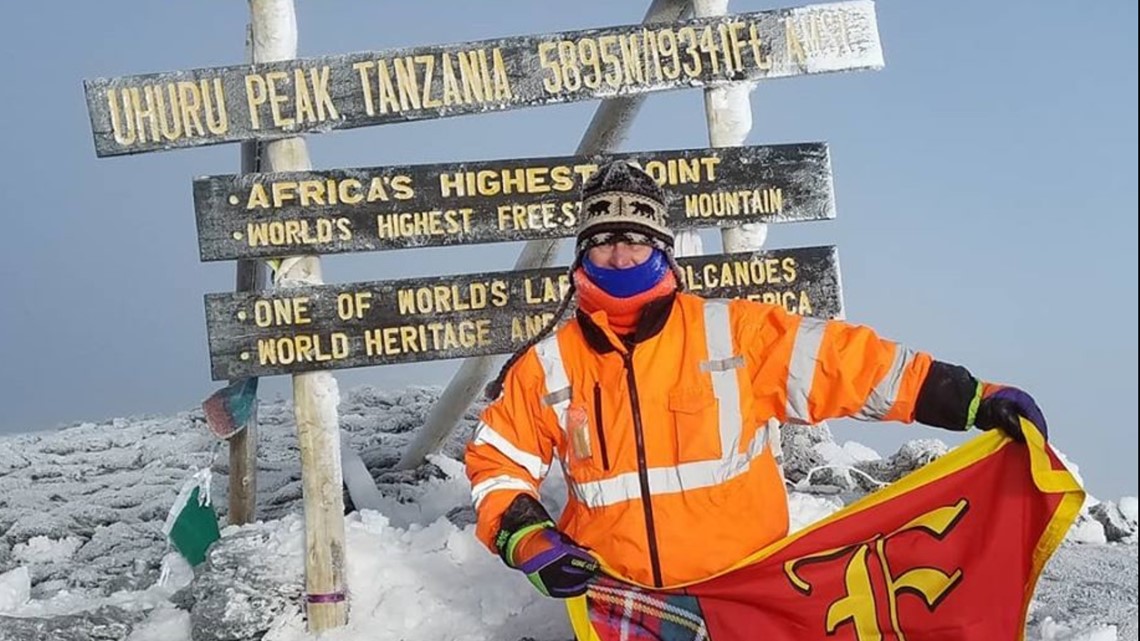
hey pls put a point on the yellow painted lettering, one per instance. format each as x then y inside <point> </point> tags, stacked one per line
<point>402,187</point>
<point>612,75</point>
<point>591,63</point>
<point>762,60</point>
<point>122,124</point>
<point>451,92</point>
<point>376,190</point>
<point>708,45</point>
<point>349,191</point>
<point>326,109</point>
<point>427,63</point>
<point>312,192</point>
<point>502,81</point>
<point>144,116</point>
<point>386,89</point>
<point>789,268</point>
<point>688,36</point>
<point>568,60</point>
<point>553,82</point>
<point>255,94</point>
<point>793,47</point>
<point>303,101</point>
<point>276,99</point>
<point>407,83</point>
<point>283,191</point>
<point>736,44</point>
<point>364,68</point>
<point>258,198</point>
<point>470,77</point>
<point>190,97</point>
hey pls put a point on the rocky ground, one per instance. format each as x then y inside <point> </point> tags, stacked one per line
<point>82,509</point>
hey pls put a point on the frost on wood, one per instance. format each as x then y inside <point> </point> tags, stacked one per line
<point>345,89</point>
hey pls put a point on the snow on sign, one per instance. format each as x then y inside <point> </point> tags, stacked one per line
<point>150,112</point>
<point>368,209</point>
<point>377,323</point>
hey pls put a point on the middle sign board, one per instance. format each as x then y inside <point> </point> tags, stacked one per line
<point>300,329</point>
<point>368,209</point>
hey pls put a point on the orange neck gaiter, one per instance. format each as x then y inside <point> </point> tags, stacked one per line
<point>623,313</point>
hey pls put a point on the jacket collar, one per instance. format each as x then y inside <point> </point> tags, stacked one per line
<point>652,321</point>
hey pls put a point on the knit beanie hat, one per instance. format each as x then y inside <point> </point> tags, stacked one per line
<point>620,202</point>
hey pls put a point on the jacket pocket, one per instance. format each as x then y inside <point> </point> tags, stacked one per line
<point>583,450</point>
<point>601,426</point>
<point>696,414</point>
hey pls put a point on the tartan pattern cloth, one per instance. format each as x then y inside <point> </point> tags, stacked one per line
<point>622,611</point>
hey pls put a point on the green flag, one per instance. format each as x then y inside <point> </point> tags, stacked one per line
<point>192,525</point>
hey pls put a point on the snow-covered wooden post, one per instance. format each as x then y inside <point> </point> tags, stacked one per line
<point>728,110</point>
<point>251,277</point>
<point>314,393</point>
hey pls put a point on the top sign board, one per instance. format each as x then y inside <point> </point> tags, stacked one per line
<point>152,112</point>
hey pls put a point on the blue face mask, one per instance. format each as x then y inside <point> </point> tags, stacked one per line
<point>630,281</point>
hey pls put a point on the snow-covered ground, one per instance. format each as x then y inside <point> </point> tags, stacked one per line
<point>82,555</point>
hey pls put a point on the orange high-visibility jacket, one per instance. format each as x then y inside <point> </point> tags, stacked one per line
<point>669,446</point>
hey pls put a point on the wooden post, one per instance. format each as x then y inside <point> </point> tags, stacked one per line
<point>315,394</point>
<point>251,277</point>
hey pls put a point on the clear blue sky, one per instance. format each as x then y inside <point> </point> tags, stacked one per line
<point>985,182</point>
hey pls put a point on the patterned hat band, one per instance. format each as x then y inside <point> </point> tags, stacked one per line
<point>613,213</point>
<point>625,234</point>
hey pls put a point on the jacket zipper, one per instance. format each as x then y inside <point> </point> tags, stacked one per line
<point>643,469</point>
<point>601,426</point>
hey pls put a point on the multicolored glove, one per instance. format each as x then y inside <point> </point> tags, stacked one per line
<point>1000,406</point>
<point>556,565</point>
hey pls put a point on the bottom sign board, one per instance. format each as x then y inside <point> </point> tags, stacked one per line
<point>326,327</point>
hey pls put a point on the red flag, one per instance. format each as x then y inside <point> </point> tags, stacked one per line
<point>950,552</point>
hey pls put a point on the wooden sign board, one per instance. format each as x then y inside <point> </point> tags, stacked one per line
<point>328,327</point>
<point>368,209</point>
<point>151,112</point>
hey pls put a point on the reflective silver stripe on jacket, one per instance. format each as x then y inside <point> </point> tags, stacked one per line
<point>554,373</point>
<point>883,397</point>
<point>670,480</point>
<point>722,365</point>
<point>801,369</point>
<point>532,463</point>
<point>480,491</point>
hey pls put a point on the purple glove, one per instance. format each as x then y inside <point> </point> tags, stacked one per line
<point>554,564</point>
<point>1001,406</point>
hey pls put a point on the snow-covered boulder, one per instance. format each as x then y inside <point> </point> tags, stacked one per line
<point>1128,509</point>
<point>1086,529</point>
<point>911,456</point>
<point>251,578</point>
<point>107,623</point>
<point>799,447</point>
<point>1116,527</point>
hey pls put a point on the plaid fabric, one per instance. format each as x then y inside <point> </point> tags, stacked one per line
<point>621,611</point>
